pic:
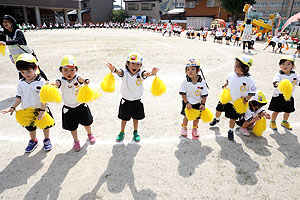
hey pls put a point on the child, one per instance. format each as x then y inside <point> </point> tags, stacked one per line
<point>273,42</point>
<point>28,96</point>
<point>278,103</point>
<point>194,93</point>
<point>237,37</point>
<point>253,39</point>
<point>281,44</point>
<point>73,112</point>
<point>241,85</point>
<point>132,90</point>
<point>254,113</point>
<point>298,50</point>
<point>228,36</point>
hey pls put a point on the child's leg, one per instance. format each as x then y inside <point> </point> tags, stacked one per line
<point>91,137</point>
<point>243,129</point>
<point>32,135</point>
<point>88,129</point>
<point>286,116</point>
<point>123,125</point>
<point>47,142</point>
<point>273,121</point>
<point>136,136</point>
<point>185,122</point>
<point>195,126</point>
<point>46,133</point>
<point>231,124</point>
<point>75,135</point>
<point>135,124</point>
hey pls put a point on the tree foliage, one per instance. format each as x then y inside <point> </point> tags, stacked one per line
<point>119,15</point>
<point>235,6</point>
<point>165,5</point>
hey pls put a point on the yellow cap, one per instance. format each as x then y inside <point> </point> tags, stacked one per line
<point>288,57</point>
<point>27,58</point>
<point>135,57</point>
<point>260,97</point>
<point>193,62</point>
<point>68,61</point>
<point>247,60</point>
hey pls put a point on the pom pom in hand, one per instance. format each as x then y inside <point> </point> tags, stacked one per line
<point>50,93</point>
<point>25,117</point>
<point>46,121</point>
<point>225,96</point>
<point>108,83</point>
<point>191,114</point>
<point>207,116</point>
<point>158,87</point>
<point>2,49</point>
<point>286,87</point>
<point>87,94</point>
<point>239,106</point>
<point>259,127</point>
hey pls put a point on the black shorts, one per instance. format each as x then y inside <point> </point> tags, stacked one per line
<point>298,46</point>
<point>220,37</point>
<point>198,34</point>
<point>227,38</point>
<point>195,106</point>
<point>229,110</point>
<point>252,42</point>
<point>278,104</point>
<point>237,38</point>
<point>36,114</point>
<point>220,107</point>
<point>72,117</point>
<point>272,43</point>
<point>131,109</point>
<point>279,45</point>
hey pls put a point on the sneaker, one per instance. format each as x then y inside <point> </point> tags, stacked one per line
<point>76,146</point>
<point>92,138</point>
<point>184,132</point>
<point>249,51</point>
<point>286,125</point>
<point>273,126</point>
<point>214,122</point>
<point>136,136</point>
<point>47,144</point>
<point>195,133</point>
<point>120,137</point>
<point>31,146</point>
<point>230,135</point>
<point>244,131</point>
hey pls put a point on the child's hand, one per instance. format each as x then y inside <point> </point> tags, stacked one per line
<point>188,106</point>
<point>154,71</point>
<point>202,107</point>
<point>268,116</point>
<point>11,110</point>
<point>111,67</point>
<point>87,81</point>
<point>41,114</point>
<point>2,43</point>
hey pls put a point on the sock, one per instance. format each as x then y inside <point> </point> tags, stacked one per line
<point>135,132</point>
<point>122,131</point>
<point>218,118</point>
<point>231,129</point>
<point>284,121</point>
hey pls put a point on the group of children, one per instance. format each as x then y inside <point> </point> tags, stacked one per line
<point>194,92</point>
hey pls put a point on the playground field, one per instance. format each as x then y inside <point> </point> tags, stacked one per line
<point>163,165</point>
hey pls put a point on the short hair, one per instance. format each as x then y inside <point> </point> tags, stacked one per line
<point>282,61</point>
<point>245,68</point>
<point>23,65</point>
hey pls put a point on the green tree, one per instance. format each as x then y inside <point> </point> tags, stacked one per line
<point>165,5</point>
<point>235,7</point>
<point>118,15</point>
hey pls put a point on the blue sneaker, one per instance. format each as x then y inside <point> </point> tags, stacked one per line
<point>31,146</point>
<point>47,145</point>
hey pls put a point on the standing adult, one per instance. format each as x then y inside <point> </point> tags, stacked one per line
<point>247,35</point>
<point>168,28</point>
<point>15,40</point>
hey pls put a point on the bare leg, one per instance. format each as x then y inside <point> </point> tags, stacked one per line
<point>32,135</point>
<point>274,116</point>
<point>46,133</point>
<point>195,124</point>
<point>232,123</point>
<point>286,116</point>
<point>135,124</point>
<point>75,135</point>
<point>123,124</point>
<point>88,129</point>
<point>218,114</point>
<point>185,123</point>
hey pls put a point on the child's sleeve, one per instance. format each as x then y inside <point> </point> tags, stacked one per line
<point>19,91</point>
<point>248,116</point>
<point>182,88</point>
<point>276,79</point>
<point>143,72</point>
<point>204,92</point>
<point>252,88</point>
<point>122,74</point>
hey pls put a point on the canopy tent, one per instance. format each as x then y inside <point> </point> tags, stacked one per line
<point>290,20</point>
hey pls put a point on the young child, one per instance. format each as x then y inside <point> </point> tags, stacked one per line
<point>241,85</point>
<point>28,96</point>
<point>282,43</point>
<point>73,112</point>
<point>278,103</point>
<point>237,37</point>
<point>194,93</point>
<point>273,43</point>
<point>254,113</point>
<point>132,90</point>
<point>228,36</point>
<point>298,50</point>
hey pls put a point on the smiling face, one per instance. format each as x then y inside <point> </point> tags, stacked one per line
<point>69,73</point>
<point>286,66</point>
<point>29,74</point>
<point>7,24</point>
<point>191,71</point>
<point>134,67</point>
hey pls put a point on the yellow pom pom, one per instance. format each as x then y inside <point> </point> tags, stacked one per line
<point>50,93</point>
<point>2,49</point>
<point>25,117</point>
<point>225,96</point>
<point>44,122</point>
<point>207,115</point>
<point>108,83</point>
<point>158,87</point>
<point>259,127</point>
<point>286,87</point>
<point>239,106</point>
<point>87,94</point>
<point>191,114</point>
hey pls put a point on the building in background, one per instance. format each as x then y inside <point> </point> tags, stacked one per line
<point>202,12</point>
<point>175,4</point>
<point>149,10</point>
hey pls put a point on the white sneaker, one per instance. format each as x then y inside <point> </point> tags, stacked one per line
<point>244,131</point>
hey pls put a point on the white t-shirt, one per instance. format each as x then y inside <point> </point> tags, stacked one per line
<point>279,76</point>
<point>194,92</point>
<point>282,41</point>
<point>132,84</point>
<point>275,39</point>
<point>29,93</point>
<point>238,34</point>
<point>249,115</point>
<point>240,86</point>
<point>69,90</point>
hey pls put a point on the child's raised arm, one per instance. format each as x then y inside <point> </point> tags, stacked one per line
<point>86,81</point>
<point>152,73</point>
<point>13,107</point>
<point>113,69</point>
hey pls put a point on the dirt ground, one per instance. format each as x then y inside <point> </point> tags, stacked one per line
<point>163,166</point>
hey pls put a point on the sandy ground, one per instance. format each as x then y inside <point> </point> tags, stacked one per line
<point>163,166</point>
